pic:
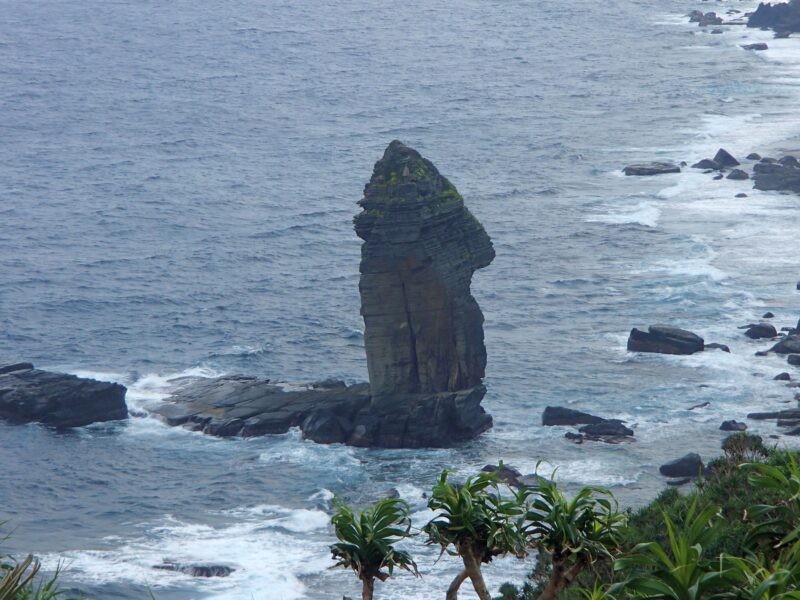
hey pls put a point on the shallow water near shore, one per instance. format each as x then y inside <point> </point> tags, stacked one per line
<point>177,186</point>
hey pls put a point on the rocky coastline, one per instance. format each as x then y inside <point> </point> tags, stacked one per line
<point>423,339</point>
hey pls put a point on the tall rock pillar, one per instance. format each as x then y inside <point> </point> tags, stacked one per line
<point>423,329</point>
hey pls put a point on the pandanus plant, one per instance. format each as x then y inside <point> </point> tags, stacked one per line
<point>473,521</point>
<point>17,581</point>
<point>682,570</point>
<point>366,541</point>
<point>575,531</point>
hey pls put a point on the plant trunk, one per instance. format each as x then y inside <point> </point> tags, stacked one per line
<point>472,565</point>
<point>367,588</point>
<point>452,591</point>
<point>560,579</point>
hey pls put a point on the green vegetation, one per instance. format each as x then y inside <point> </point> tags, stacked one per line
<point>19,581</point>
<point>735,536</point>
<point>477,523</point>
<point>366,542</point>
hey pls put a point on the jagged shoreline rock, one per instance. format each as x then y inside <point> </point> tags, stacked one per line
<point>781,17</point>
<point>30,395</point>
<point>663,339</point>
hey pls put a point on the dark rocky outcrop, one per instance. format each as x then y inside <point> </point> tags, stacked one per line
<point>768,315</point>
<point>789,345</point>
<point>725,158</point>
<point>558,415</point>
<point>665,340</point>
<point>707,163</point>
<point>59,400</point>
<point>758,46</point>
<point>782,377</point>
<point>794,360</point>
<point>513,477</point>
<point>738,175</point>
<point>759,331</point>
<point>753,156</point>
<point>789,161</point>
<point>610,427</point>
<point>249,406</point>
<point>776,176</point>
<point>782,17</point>
<point>423,331</point>
<point>785,415</point>
<point>651,168</point>
<point>717,346</point>
<point>196,570</point>
<point>690,465</point>
<point>733,426</point>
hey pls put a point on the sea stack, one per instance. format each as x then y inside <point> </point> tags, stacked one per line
<point>423,332</point>
<point>423,329</point>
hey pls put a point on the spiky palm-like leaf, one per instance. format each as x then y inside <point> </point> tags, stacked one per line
<point>366,541</point>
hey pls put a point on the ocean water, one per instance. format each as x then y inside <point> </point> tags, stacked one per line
<point>177,183</point>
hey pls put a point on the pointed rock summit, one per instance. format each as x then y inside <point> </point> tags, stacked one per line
<point>423,329</point>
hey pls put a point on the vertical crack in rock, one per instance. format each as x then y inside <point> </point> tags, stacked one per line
<point>412,338</point>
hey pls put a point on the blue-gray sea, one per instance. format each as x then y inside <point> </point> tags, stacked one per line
<point>177,183</point>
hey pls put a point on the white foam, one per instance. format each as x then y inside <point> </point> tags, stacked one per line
<point>263,549</point>
<point>643,213</point>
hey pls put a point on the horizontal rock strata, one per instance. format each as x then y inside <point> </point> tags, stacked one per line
<point>29,395</point>
<point>331,413</point>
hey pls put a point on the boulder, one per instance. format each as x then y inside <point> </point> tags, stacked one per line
<point>789,161</point>
<point>761,330</point>
<point>716,346</point>
<point>690,465</point>
<point>707,163</point>
<point>196,570</point>
<point>651,168</point>
<point>768,315</point>
<point>733,426</point>
<point>794,360</point>
<point>788,345</point>
<point>610,427</point>
<point>753,156</point>
<point>505,473</point>
<point>665,340</point>
<point>782,377</point>
<point>768,160</point>
<point>759,46</point>
<point>783,17</point>
<point>718,177</point>
<point>741,195</point>
<point>709,18</point>
<point>725,158</point>
<point>514,477</point>
<point>557,415</point>
<point>30,395</point>
<point>738,175</point>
